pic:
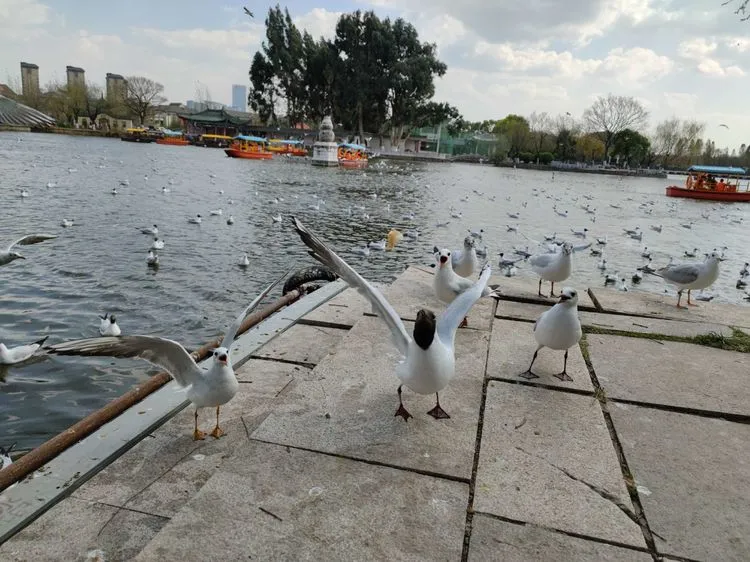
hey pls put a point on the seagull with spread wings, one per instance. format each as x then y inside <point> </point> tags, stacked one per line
<point>9,255</point>
<point>429,354</point>
<point>205,388</point>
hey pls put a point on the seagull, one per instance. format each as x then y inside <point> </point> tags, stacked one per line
<point>152,230</point>
<point>108,325</point>
<point>429,358</point>
<point>465,261</point>
<point>558,328</point>
<point>152,259</point>
<point>24,193</point>
<point>512,228</point>
<point>691,253</point>
<point>623,285</point>
<point>553,267</point>
<point>51,184</point>
<point>504,262</point>
<point>656,227</point>
<point>632,231</point>
<point>21,353</point>
<point>550,237</point>
<point>512,215</point>
<point>379,245</point>
<point>216,213</point>
<point>610,279</point>
<point>477,233</point>
<point>245,261</point>
<point>645,253</point>
<point>276,218</point>
<point>637,277</point>
<point>205,388</point>
<point>602,241</point>
<point>66,223</point>
<point>692,276</point>
<point>362,251</point>
<point>638,236</point>
<point>744,272</point>
<point>447,284</point>
<point>114,191</point>
<point>580,233</point>
<point>741,283</point>
<point>195,220</point>
<point>230,220</point>
<point>647,268</point>
<point>248,12</point>
<point>165,189</point>
<point>157,244</point>
<point>723,125</point>
<point>602,264</point>
<point>5,460</point>
<point>8,255</point>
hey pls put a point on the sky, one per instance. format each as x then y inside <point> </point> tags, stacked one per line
<point>687,59</point>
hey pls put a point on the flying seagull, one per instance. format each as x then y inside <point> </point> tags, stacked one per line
<point>209,388</point>
<point>248,12</point>
<point>8,255</point>
<point>723,125</point>
<point>429,356</point>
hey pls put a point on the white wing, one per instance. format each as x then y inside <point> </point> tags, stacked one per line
<point>452,316</point>
<point>232,330</point>
<point>581,248</point>
<point>328,257</point>
<point>164,353</point>
<point>31,239</point>
<point>543,260</point>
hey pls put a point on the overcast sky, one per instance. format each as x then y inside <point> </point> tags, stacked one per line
<point>688,58</point>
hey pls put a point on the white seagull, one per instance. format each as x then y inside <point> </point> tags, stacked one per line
<point>692,276</point>
<point>157,244</point>
<point>429,357</point>
<point>5,460</point>
<point>205,388</point>
<point>216,213</point>
<point>108,325</point>
<point>244,262</point>
<point>195,220</point>
<point>465,261</point>
<point>558,328</point>
<point>448,284</point>
<point>21,353</point>
<point>152,230</point>
<point>553,267</point>
<point>8,255</point>
<point>152,259</point>
<point>230,220</point>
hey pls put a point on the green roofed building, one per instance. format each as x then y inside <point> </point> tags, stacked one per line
<point>217,122</point>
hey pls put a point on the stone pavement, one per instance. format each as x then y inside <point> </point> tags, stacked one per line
<point>643,456</point>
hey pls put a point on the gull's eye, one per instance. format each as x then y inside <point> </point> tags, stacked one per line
<point>449,253</point>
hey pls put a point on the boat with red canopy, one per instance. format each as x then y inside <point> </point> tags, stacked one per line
<point>714,183</point>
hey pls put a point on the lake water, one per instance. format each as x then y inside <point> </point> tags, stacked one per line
<point>98,265</point>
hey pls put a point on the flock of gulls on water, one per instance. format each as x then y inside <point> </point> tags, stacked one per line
<point>428,363</point>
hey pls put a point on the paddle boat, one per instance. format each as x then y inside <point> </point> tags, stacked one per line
<point>714,183</point>
<point>137,134</point>
<point>173,138</point>
<point>291,147</point>
<point>253,148</point>
<point>352,155</point>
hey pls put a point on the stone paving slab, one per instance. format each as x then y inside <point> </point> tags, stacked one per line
<point>671,373</point>
<point>160,473</point>
<point>493,539</point>
<point>275,503</point>
<point>413,290</point>
<point>75,529</point>
<point>346,405</point>
<point>512,346</point>
<point>302,344</point>
<point>520,310</point>
<point>344,309</point>
<point>541,453</point>
<point>663,305</point>
<point>526,287</point>
<point>678,328</point>
<point>694,480</point>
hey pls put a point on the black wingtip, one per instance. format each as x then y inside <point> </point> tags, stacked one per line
<point>41,341</point>
<point>6,452</point>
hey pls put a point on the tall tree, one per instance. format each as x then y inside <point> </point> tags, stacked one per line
<point>283,49</point>
<point>631,147</point>
<point>516,130</point>
<point>540,126</point>
<point>611,114</point>
<point>263,95</point>
<point>565,130</point>
<point>142,95</point>
<point>322,65</point>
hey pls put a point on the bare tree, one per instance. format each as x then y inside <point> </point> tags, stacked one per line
<point>141,95</point>
<point>612,114</point>
<point>743,8</point>
<point>540,126</point>
<point>675,141</point>
<point>665,139</point>
<point>202,93</point>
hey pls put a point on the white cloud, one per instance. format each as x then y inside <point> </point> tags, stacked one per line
<point>22,20</point>
<point>680,103</point>
<point>636,66</point>
<point>230,43</point>
<point>318,22</point>
<point>714,68</point>
<point>523,59</point>
<point>697,48</point>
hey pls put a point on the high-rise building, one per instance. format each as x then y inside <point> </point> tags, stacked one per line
<point>29,79</point>
<point>76,76</point>
<point>116,87</point>
<point>239,97</point>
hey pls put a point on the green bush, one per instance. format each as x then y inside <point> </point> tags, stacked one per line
<point>545,158</point>
<point>526,157</point>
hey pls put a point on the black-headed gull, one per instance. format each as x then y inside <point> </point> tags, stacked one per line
<point>429,357</point>
<point>554,267</point>
<point>465,261</point>
<point>5,460</point>
<point>448,285</point>
<point>692,276</point>
<point>152,230</point>
<point>8,255</point>
<point>108,325</point>
<point>152,259</point>
<point>19,354</point>
<point>558,328</point>
<point>211,388</point>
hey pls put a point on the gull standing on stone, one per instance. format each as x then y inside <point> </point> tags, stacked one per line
<point>19,354</point>
<point>558,328</point>
<point>554,267</point>
<point>448,285</point>
<point>8,255</point>
<point>205,388</point>
<point>429,358</point>
<point>692,276</point>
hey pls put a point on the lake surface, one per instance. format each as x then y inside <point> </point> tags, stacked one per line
<point>98,265</point>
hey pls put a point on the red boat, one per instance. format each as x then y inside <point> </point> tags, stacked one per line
<point>714,183</point>
<point>352,156</point>
<point>252,148</point>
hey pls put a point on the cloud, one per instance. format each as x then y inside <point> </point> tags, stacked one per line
<point>318,22</point>
<point>230,43</point>
<point>21,20</point>
<point>696,49</point>
<point>714,68</point>
<point>636,66</point>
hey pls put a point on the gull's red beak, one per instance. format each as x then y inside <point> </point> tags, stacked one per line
<point>223,358</point>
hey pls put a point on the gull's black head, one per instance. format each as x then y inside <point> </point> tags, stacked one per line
<point>424,328</point>
<point>112,319</point>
